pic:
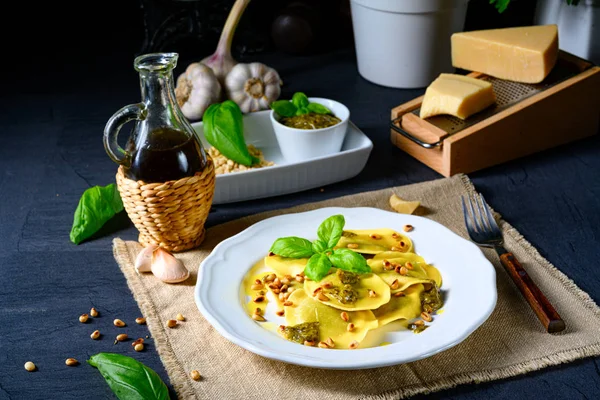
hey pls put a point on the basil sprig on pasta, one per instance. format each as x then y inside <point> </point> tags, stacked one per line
<point>320,253</point>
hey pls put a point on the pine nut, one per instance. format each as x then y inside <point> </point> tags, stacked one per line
<point>290,290</point>
<point>83,318</point>
<point>372,293</point>
<point>284,288</point>
<point>276,291</point>
<point>408,228</point>
<point>258,311</point>
<point>353,345</point>
<point>119,323</point>
<point>309,343</point>
<point>322,297</point>
<point>71,362</point>
<point>403,271</point>
<point>258,282</point>
<point>395,285</point>
<point>330,342</point>
<point>256,286</point>
<point>409,265</point>
<point>323,345</point>
<point>375,236</point>
<point>426,316</point>
<point>286,281</point>
<point>419,322</point>
<point>352,245</point>
<point>258,317</point>
<point>139,347</point>
<point>327,285</point>
<point>282,296</point>
<point>277,282</point>
<point>122,337</point>
<point>288,304</point>
<point>259,299</point>
<point>137,341</point>
<point>94,312</point>
<point>171,323</point>
<point>180,317</point>
<point>350,327</point>
<point>345,316</point>
<point>299,278</point>
<point>317,290</point>
<point>269,278</point>
<point>394,235</point>
<point>95,335</point>
<point>386,263</point>
<point>399,294</point>
<point>402,244</point>
<point>140,321</point>
<point>29,366</point>
<point>280,313</point>
<point>195,375</point>
<point>271,254</point>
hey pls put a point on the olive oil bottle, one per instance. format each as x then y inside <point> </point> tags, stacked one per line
<point>163,145</point>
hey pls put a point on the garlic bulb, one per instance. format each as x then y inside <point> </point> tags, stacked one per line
<point>253,86</point>
<point>222,61</point>
<point>143,261</point>
<point>167,268</point>
<point>197,88</point>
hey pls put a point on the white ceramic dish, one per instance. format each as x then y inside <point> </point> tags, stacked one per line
<point>287,177</point>
<point>469,290</point>
<point>303,144</point>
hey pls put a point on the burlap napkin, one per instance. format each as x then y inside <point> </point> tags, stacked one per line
<point>510,342</point>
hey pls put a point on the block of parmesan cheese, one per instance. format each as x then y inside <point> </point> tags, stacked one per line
<point>458,95</point>
<point>523,54</point>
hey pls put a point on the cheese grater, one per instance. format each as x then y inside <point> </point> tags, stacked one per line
<point>507,93</point>
<point>527,118</point>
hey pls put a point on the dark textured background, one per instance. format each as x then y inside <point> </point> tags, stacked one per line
<point>68,68</point>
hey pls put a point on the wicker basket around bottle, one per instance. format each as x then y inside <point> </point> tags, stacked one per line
<point>170,214</point>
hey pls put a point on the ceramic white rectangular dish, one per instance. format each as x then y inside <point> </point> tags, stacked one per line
<point>285,177</point>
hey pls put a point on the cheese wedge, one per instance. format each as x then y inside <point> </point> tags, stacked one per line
<point>458,95</point>
<point>525,54</point>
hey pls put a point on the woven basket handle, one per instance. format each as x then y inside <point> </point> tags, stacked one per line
<point>113,126</point>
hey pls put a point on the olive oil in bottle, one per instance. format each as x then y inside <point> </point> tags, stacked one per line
<point>168,154</point>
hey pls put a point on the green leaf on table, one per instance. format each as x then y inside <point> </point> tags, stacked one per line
<point>97,205</point>
<point>292,247</point>
<point>284,108</point>
<point>349,260</point>
<point>317,267</point>
<point>128,378</point>
<point>318,108</point>
<point>224,130</point>
<point>501,5</point>
<point>330,230</point>
<point>300,100</point>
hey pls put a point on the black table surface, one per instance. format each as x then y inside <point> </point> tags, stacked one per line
<point>51,151</point>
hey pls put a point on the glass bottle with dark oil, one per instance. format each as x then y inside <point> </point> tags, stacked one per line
<point>163,145</point>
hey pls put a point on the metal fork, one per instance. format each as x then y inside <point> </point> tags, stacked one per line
<point>484,231</point>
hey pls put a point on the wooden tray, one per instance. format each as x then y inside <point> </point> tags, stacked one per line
<point>526,119</point>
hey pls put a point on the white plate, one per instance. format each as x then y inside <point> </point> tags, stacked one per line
<point>469,289</point>
<point>285,177</point>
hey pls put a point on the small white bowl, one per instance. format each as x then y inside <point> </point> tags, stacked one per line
<point>303,144</point>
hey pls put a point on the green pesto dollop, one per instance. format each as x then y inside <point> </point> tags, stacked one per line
<point>347,277</point>
<point>345,295</point>
<point>431,299</point>
<point>310,121</point>
<point>307,331</point>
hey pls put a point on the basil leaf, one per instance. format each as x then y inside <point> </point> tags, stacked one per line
<point>128,378</point>
<point>224,130</point>
<point>292,247</point>
<point>284,108</point>
<point>318,108</point>
<point>300,100</point>
<point>349,260</point>
<point>317,267</point>
<point>330,230</point>
<point>319,246</point>
<point>302,111</point>
<point>97,205</point>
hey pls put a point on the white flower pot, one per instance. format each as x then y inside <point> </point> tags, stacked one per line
<point>405,43</point>
<point>578,26</point>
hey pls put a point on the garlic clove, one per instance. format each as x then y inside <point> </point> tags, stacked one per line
<point>253,86</point>
<point>143,260</point>
<point>167,268</point>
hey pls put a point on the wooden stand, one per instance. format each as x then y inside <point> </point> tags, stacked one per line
<point>565,112</point>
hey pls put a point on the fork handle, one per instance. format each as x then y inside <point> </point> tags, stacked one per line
<point>534,296</point>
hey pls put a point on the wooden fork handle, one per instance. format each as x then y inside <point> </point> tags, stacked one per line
<point>534,296</point>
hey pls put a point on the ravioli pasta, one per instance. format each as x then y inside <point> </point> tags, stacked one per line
<point>340,310</point>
